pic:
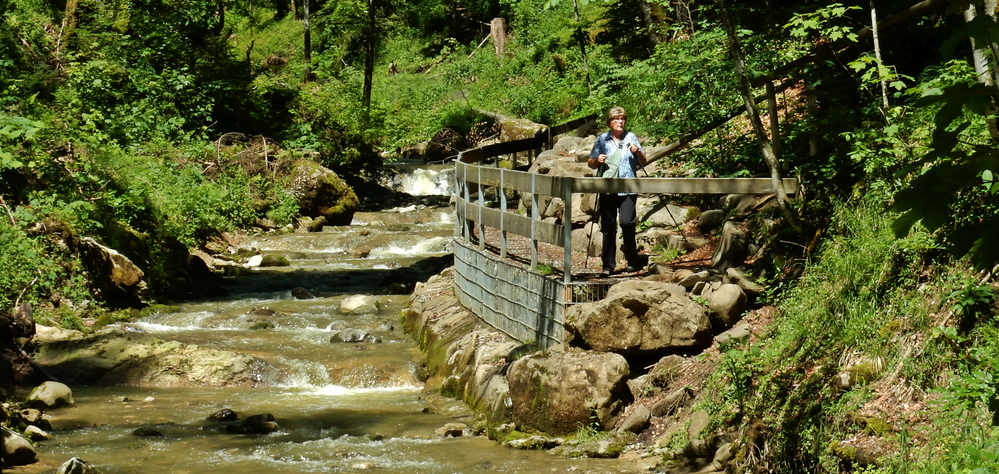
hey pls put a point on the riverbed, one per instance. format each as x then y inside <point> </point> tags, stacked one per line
<point>339,406</point>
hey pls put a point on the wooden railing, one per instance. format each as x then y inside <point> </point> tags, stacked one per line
<point>563,187</point>
<point>526,304</point>
<point>541,140</point>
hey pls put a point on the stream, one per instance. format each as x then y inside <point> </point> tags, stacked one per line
<point>340,407</point>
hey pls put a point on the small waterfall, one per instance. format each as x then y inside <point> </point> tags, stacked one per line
<point>430,246</point>
<point>432,181</point>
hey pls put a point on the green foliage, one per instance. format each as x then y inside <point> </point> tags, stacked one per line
<point>32,273</point>
<point>872,74</point>
<point>972,301</point>
<point>950,179</point>
<point>14,131</point>
<point>544,269</point>
<point>863,279</point>
<point>739,366</point>
<point>826,22</point>
<point>968,405</point>
<point>663,254</point>
<point>285,210</point>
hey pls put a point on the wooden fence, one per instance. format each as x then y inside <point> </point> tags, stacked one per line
<point>521,302</point>
<point>533,185</point>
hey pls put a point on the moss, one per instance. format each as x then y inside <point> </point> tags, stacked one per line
<point>504,436</point>
<point>876,426</point>
<point>863,372</point>
<point>843,451</point>
<point>157,309</point>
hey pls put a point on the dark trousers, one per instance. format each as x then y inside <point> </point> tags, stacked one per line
<point>616,210</point>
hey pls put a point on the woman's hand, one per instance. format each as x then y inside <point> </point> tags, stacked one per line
<point>601,158</point>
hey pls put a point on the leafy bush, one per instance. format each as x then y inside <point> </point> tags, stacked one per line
<point>30,274</point>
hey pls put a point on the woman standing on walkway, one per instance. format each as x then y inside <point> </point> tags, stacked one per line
<point>617,154</point>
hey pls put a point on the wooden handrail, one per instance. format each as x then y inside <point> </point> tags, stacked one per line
<point>470,177</point>
<point>552,185</point>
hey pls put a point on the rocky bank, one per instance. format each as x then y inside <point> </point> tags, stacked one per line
<point>632,369</point>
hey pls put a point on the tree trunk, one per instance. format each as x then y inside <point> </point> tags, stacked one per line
<point>582,44</point>
<point>985,57</point>
<point>766,146</point>
<point>877,56</point>
<point>220,12</point>
<point>812,106</point>
<point>981,62</point>
<point>68,25</point>
<point>308,41</point>
<point>369,60</point>
<point>772,112</point>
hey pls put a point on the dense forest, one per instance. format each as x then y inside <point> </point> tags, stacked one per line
<point>125,121</point>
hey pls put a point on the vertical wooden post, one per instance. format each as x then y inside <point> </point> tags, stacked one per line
<point>458,215</point>
<point>464,178</point>
<point>502,192</point>
<point>482,203</point>
<point>774,120</point>
<point>567,229</point>
<point>497,30</point>
<point>535,217</point>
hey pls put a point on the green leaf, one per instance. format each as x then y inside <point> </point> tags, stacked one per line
<point>7,161</point>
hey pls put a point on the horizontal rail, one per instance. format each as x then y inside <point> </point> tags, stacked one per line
<point>681,185</point>
<point>502,148</point>
<point>539,140</point>
<point>552,185</point>
<point>571,125</point>
<point>516,223</point>
<point>512,179</point>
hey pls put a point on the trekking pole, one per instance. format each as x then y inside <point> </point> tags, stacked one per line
<point>589,236</point>
<point>678,225</point>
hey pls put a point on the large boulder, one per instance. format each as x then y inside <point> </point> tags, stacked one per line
<point>588,239</point>
<point>552,163</point>
<point>727,303</point>
<point>478,360</point>
<point>50,394</point>
<point>17,451</point>
<point>117,279</point>
<point>732,247</point>
<point>576,148</point>
<point>640,317</point>
<point>558,392</point>
<point>512,129</point>
<point>320,192</point>
<point>359,304</point>
<point>116,357</point>
<point>447,142</point>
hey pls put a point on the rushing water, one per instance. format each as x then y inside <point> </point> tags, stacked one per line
<point>423,180</point>
<point>341,407</point>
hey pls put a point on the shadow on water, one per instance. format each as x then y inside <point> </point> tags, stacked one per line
<point>326,282</point>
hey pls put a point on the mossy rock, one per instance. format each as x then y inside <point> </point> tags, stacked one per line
<point>320,192</point>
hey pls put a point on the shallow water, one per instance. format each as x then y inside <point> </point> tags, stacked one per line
<point>341,407</point>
